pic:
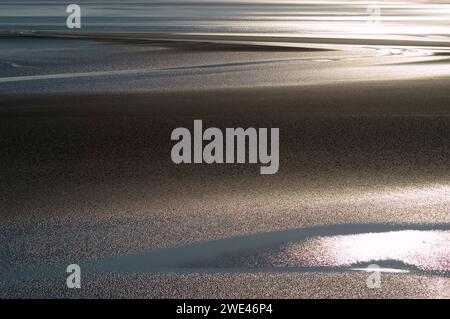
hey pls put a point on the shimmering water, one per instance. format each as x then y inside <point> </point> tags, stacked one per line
<point>337,18</point>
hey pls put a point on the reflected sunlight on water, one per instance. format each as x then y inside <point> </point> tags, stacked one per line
<point>413,18</point>
<point>426,250</point>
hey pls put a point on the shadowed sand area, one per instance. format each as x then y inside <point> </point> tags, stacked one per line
<point>86,173</point>
<point>84,181</point>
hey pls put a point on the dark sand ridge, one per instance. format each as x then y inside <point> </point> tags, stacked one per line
<point>240,38</point>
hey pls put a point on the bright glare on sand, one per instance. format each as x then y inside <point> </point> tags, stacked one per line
<point>426,250</point>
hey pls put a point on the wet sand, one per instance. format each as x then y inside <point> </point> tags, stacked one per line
<point>83,181</point>
<point>87,176</point>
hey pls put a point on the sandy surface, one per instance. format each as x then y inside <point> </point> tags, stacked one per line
<point>87,175</point>
<point>242,285</point>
